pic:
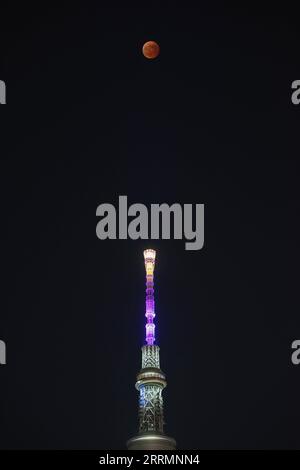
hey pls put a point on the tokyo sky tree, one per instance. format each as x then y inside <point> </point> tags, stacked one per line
<point>151,380</point>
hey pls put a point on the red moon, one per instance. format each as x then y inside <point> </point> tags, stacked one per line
<point>151,49</point>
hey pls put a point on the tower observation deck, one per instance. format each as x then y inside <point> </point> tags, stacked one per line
<point>150,380</point>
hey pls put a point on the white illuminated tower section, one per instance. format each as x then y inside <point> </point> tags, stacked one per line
<point>151,380</point>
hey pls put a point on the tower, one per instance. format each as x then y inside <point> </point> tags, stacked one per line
<point>150,380</point>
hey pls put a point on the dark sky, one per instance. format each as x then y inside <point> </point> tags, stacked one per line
<point>210,121</point>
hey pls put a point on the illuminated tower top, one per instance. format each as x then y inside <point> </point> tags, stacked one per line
<point>151,380</point>
<point>149,256</point>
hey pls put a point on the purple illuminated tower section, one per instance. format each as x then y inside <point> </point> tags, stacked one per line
<point>150,380</point>
<point>149,256</point>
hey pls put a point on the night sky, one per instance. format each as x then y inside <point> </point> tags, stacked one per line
<point>210,121</point>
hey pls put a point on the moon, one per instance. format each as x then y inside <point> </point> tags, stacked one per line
<point>151,49</point>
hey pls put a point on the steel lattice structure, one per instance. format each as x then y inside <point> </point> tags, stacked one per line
<point>151,380</point>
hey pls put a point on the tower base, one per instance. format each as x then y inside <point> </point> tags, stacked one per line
<point>151,441</point>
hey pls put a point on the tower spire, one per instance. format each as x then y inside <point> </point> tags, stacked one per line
<point>151,380</point>
<point>149,256</point>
